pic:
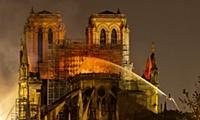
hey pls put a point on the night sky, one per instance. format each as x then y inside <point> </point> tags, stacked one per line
<point>174,26</point>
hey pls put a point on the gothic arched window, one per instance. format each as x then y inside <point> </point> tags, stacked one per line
<point>103,38</point>
<point>50,37</point>
<point>40,44</point>
<point>113,37</point>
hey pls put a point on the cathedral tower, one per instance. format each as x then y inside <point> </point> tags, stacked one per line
<point>42,31</point>
<point>108,29</point>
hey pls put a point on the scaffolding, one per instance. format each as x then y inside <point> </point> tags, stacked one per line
<point>64,61</point>
<point>21,107</point>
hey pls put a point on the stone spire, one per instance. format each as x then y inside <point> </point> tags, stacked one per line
<point>118,11</point>
<point>153,47</point>
<point>154,69</point>
<point>32,10</point>
<point>151,70</point>
<point>165,107</point>
<point>23,53</point>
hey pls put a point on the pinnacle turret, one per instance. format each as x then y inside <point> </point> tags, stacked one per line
<point>23,52</point>
<point>151,70</point>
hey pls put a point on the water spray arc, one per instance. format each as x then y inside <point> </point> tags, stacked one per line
<point>131,74</point>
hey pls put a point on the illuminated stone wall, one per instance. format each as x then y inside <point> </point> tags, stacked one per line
<point>110,21</point>
<point>45,21</point>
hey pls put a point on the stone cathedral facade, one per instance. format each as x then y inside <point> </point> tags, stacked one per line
<point>89,79</point>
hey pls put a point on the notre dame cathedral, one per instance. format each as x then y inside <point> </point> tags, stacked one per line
<point>90,79</point>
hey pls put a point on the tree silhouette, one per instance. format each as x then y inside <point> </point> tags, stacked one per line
<point>192,101</point>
